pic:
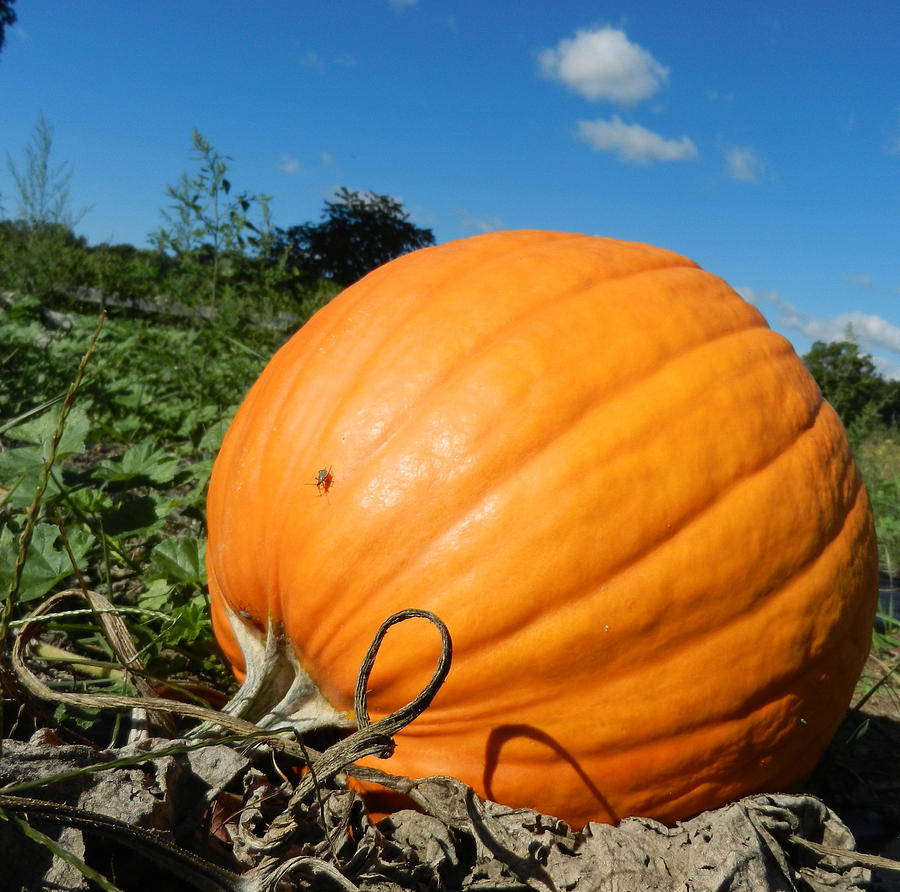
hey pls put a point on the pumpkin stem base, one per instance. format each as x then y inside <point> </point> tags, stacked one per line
<point>277,693</point>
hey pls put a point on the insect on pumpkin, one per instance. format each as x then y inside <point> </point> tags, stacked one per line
<point>324,479</point>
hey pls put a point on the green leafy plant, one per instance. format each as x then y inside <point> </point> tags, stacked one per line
<point>205,226</point>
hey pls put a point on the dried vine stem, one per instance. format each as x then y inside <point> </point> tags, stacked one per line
<point>198,872</point>
<point>377,739</point>
<point>123,646</point>
<point>876,862</point>
<point>37,688</point>
<point>372,739</point>
<point>403,716</point>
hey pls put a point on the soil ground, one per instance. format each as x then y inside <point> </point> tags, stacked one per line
<point>859,775</point>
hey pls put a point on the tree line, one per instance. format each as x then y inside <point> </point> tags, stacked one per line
<point>214,245</point>
<point>850,381</point>
<point>218,247</point>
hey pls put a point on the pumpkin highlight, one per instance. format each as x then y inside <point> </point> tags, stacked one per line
<point>620,490</point>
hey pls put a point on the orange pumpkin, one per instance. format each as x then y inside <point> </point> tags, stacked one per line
<point>621,491</point>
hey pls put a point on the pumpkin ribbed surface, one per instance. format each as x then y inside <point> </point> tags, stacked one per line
<point>620,490</point>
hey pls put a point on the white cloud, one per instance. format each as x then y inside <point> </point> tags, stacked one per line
<point>471,223</point>
<point>312,60</point>
<point>743,164</point>
<point>871,332</point>
<point>861,279</point>
<point>634,143</point>
<point>870,329</point>
<point>888,370</point>
<point>604,64</point>
<point>289,165</point>
<point>718,96</point>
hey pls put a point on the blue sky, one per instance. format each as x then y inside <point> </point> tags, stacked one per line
<point>761,139</point>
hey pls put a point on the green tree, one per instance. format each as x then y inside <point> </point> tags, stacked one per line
<point>890,407</point>
<point>848,380</point>
<point>122,270</point>
<point>7,17</point>
<point>42,262</point>
<point>358,232</point>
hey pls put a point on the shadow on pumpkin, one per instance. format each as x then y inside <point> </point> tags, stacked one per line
<point>504,734</point>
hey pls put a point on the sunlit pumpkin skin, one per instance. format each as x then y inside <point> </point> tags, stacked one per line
<point>620,490</point>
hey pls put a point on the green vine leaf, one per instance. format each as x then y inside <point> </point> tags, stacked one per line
<point>144,460</point>
<point>179,560</point>
<point>40,431</point>
<point>46,563</point>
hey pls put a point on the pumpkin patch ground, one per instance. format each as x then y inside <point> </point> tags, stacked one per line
<point>595,470</point>
<point>213,801</point>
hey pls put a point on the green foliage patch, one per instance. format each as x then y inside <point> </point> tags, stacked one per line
<point>122,507</point>
<point>172,383</point>
<point>878,456</point>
